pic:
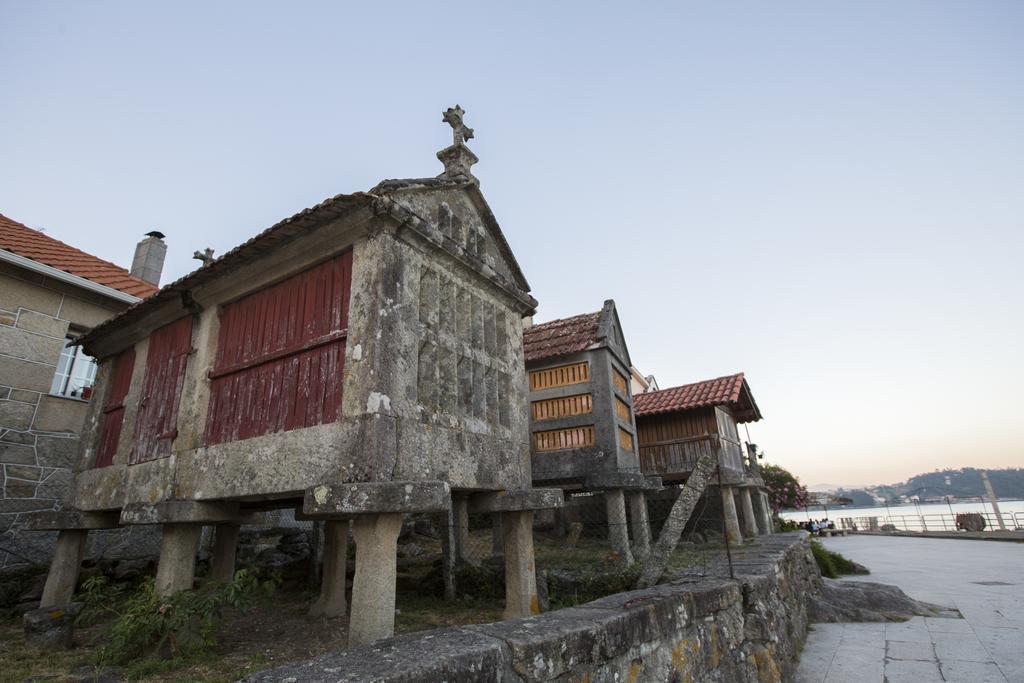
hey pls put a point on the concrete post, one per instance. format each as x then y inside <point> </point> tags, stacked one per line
<point>640,525</point>
<point>992,499</point>
<point>448,551</point>
<point>64,568</point>
<point>331,602</point>
<point>618,533</point>
<point>497,538</point>
<point>521,598</point>
<point>373,587</point>
<point>225,543</point>
<point>460,508</point>
<point>732,523</point>
<point>749,520</point>
<point>176,569</point>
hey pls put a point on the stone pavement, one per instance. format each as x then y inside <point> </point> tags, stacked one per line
<point>984,580</point>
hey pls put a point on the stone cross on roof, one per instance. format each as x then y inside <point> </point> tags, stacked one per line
<point>206,256</point>
<point>460,131</point>
<point>457,158</point>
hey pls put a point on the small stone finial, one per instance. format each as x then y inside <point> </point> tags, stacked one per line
<point>457,158</point>
<point>460,131</point>
<point>206,255</point>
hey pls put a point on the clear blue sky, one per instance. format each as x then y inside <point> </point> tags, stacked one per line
<point>828,196</point>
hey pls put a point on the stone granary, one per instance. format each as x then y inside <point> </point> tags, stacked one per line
<point>357,361</point>
<point>583,436</point>
<point>677,425</point>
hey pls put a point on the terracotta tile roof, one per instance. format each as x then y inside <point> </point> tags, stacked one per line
<point>732,391</point>
<point>24,241</point>
<point>560,337</point>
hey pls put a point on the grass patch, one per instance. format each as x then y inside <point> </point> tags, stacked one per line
<point>425,612</point>
<point>18,662</point>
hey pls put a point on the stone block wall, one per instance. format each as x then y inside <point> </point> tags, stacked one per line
<point>743,630</point>
<point>38,431</point>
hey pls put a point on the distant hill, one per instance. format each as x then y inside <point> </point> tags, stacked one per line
<point>962,483</point>
<point>1007,483</point>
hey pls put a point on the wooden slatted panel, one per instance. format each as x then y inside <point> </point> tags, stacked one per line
<point>579,404</point>
<point>157,421</point>
<point>671,444</point>
<point>563,439</point>
<point>625,440</point>
<point>621,383</point>
<point>622,410</point>
<point>113,407</point>
<point>560,376</point>
<point>732,451</point>
<point>281,355</point>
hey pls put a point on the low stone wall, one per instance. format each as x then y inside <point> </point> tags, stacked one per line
<point>692,629</point>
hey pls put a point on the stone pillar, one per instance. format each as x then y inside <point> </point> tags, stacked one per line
<point>225,543</point>
<point>373,587</point>
<point>448,552</point>
<point>618,533</point>
<point>176,569</point>
<point>331,602</point>
<point>521,599</point>
<point>765,511</point>
<point>732,523</point>
<point>460,509</point>
<point>640,525</point>
<point>64,568</point>
<point>560,526</point>
<point>749,520</point>
<point>316,555</point>
<point>497,538</point>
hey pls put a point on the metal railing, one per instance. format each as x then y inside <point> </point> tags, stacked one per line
<point>927,522</point>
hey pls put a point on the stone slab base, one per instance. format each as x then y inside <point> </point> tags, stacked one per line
<point>375,497</point>
<point>516,501</point>
<point>627,481</point>
<point>69,519</point>
<point>181,512</point>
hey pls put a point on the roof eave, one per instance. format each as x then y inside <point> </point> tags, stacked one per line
<point>69,278</point>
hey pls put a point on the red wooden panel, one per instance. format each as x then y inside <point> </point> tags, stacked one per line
<point>157,422</point>
<point>280,355</point>
<point>113,407</point>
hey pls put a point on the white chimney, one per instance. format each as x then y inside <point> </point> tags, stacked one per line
<point>149,257</point>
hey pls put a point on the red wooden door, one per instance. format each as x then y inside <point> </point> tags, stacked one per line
<point>113,407</point>
<point>157,422</point>
<point>280,355</point>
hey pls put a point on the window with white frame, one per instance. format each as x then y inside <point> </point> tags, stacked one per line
<point>76,373</point>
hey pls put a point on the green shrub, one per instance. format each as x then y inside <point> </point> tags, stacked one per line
<point>783,524</point>
<point>832,564</point>
<point>824,559</point>
<point>179,626</point>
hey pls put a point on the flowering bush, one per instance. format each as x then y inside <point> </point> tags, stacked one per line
<point>785,492</point>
